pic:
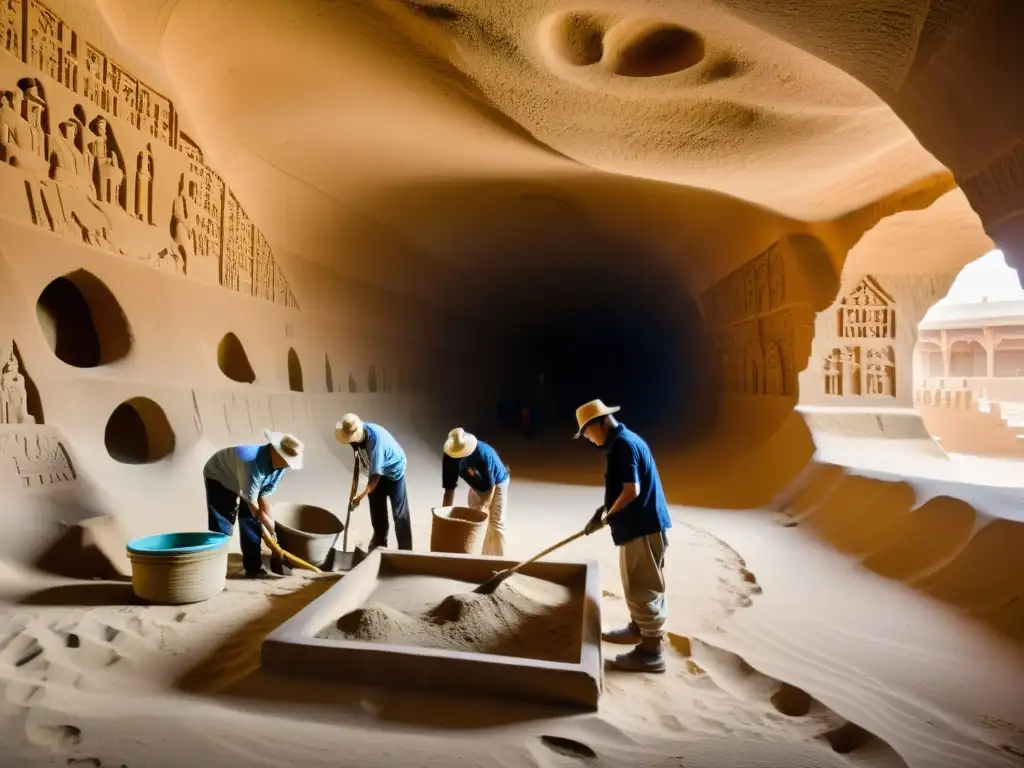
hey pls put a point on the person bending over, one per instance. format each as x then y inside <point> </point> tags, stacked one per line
<point>487,477</point>
<point>249,473</point>
<point>383,461</point>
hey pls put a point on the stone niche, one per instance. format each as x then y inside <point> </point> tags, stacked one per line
<point>300,648</point>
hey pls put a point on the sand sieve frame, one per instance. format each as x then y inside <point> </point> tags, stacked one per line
<point>293,650</point>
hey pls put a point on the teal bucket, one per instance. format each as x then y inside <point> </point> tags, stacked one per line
<point>178,568</point>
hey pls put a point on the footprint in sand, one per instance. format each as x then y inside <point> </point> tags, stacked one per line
<point>568,747</point>
<point>59,738</point>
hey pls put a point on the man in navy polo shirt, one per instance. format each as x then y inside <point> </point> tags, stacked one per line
<point>487,477</point>
<point>636,511</point>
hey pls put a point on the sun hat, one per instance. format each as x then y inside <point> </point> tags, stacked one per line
<point>288,446</point>
<point>460,443</point>
<point>587,412</point>
<point>350,429</point>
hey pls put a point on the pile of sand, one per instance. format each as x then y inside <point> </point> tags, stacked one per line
<point>524,617</point>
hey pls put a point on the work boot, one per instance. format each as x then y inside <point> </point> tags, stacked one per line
<point>627,635</point>
<point>646,657</point>
<point>262,573</point>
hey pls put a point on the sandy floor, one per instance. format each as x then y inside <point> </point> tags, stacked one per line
<point>770,664</point>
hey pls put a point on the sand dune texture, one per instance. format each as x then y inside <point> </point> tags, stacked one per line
<point>728,216</point>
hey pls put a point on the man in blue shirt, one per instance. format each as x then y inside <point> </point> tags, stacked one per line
<point>636,511</point>
<point>383,462</point>
<point>487,477</point>
<point>248,473</point>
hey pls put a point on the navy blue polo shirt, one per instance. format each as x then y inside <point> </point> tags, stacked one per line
<point>630,461</point>
<point>482,469</point>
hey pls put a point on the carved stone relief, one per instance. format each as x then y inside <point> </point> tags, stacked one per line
<point>755,331</point>
<point>77,175</point>
<point>13,389</point>
<point>866,314</point>
<point>34,458</point>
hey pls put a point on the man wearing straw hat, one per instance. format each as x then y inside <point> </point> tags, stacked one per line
<point>383,461</point>
<point>487,477</point>
<point>249,473</point>
<point>636,511</point>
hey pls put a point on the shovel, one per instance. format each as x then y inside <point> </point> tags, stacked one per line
<point>276,549</point>
<point>499,578</point>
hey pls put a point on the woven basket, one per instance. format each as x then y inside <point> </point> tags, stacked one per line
<point>178,568</point>
<point>458,529</point>
<point>306,531</point>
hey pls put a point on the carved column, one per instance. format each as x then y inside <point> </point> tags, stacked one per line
<point>944,346</point>
<point>990,344</point>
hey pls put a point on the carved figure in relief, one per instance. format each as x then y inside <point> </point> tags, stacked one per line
<point>144,185</point>
<point>69,164</point>
<point>107,164</point>
<point>776,278</point>
<point>10,26</point>
<point>773,379</point>
<point>789,378</point>
<point>834,373</point>
<point>880,372</point>
<point>38,129</point>
<point>760,266</point>
<point>866,312</point>
<point>182,230</point>
<point>13,394</point>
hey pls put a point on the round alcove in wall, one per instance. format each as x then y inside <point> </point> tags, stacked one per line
<point>294,372</point>
<point>138,432</point>
<point>82,321</point>
<point>233,361</point>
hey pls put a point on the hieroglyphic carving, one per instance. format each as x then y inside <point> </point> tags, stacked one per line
<point>11,26</point>
<point>32,458</point>
<point>81,149</point>
<point>13,389</point>
<point>94,81</point>
<point>207,193</point>
<point>755,336</point>
<point>866,312</point>
<point>263,269</point>
<point>52,45</point>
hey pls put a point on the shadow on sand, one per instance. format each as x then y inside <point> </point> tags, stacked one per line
<point>87,594</point>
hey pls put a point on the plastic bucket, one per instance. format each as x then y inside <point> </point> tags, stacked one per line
<point>458,529</point>
<point>306,531</point>
<point>177,568</point>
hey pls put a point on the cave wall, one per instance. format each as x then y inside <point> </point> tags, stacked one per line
<point>104,191</point>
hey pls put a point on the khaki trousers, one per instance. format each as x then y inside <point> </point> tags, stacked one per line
<point>494,539</point>
<point>641,565</point>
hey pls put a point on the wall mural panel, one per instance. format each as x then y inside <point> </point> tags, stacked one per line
<point>867,315</point>
<point>106,183</point>
<point>751,320</point>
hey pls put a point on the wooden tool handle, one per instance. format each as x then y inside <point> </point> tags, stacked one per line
<point>351,495</point>
<point>276,549</point>
<point>547,551</point>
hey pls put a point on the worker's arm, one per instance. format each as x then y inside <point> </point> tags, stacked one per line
<point>630,491</point>
<point>261,511</point>
<point>449,479</point>
<point>370,485</point>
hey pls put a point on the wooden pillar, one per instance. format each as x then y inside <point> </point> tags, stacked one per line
<point>944,345</point>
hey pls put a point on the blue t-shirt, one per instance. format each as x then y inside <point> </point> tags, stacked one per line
<point>482,469</point>
<point>630,461</point>
<point>380,454</point>
<point>245,470</point>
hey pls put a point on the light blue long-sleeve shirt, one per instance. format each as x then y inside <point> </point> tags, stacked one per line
<point>246,470</point>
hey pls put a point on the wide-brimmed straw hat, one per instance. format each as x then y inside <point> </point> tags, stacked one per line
<point>587,412</point>
<point>350,429</point>
<point>460,443</point>
<point>289,447</point>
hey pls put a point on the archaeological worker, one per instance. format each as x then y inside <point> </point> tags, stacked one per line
<point>383,461</point>
<point>487,477</point>
<point>636,511</point>
<point>249,473</point>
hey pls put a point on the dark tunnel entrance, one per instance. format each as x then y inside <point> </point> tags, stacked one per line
<point>625,332</point>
